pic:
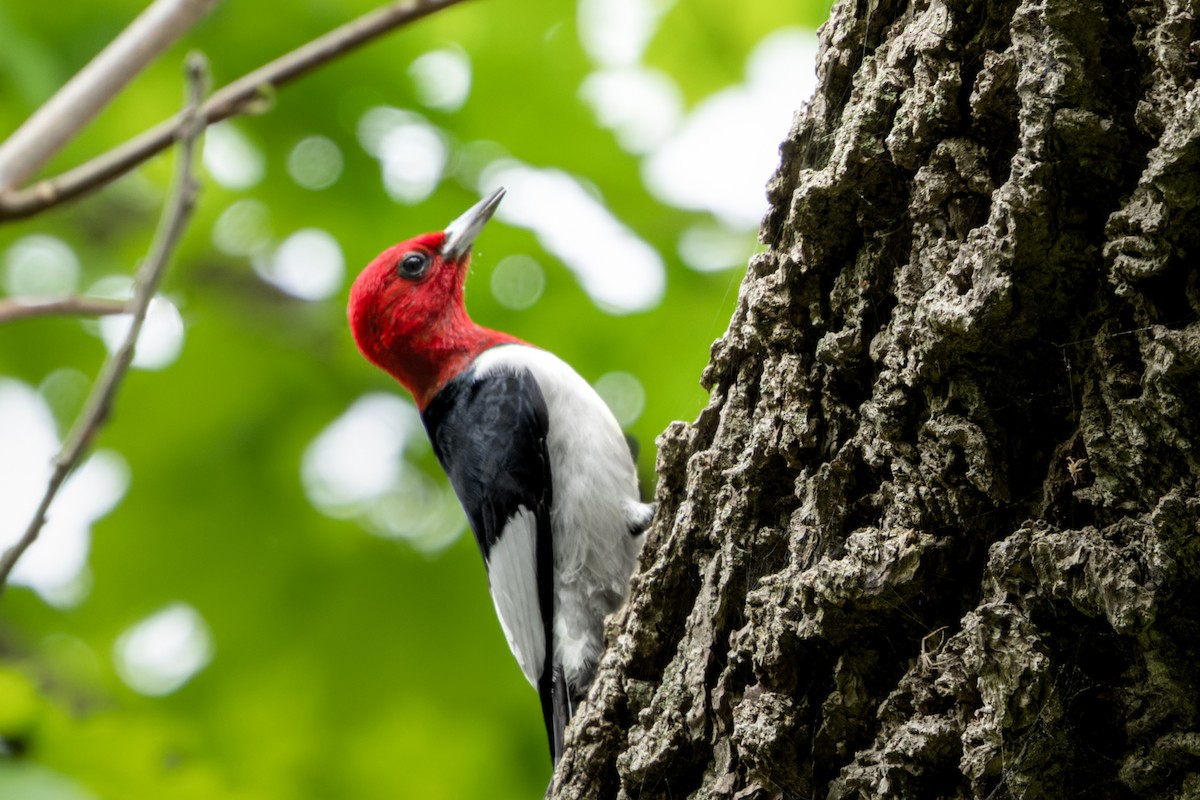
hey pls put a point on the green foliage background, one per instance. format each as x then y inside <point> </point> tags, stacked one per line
<point>346,665</point>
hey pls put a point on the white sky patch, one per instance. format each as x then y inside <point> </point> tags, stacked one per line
<point>618,269</point>
<point>518,282</point>
<point>315,163</point>
<point>411,152</point>
<point>308,264</point>
<point>55,565</point>
<point>40,266</point>
<point>735,134</point>
<point>232,159</point>
<point>356,468</point>
<point>161,337</point>
<point>243,229</point>
<point>614,33</point>
<point>162,652</point>
<point>711,248</point>
<point>624,396</point>
<point>641,106</point>
<point>442,79</point>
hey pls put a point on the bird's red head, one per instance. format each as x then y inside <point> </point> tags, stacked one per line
<point>406,308</point>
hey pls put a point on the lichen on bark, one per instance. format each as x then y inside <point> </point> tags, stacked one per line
<point>936,533</point>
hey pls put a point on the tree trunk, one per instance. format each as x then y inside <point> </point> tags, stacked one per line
<point>936,534</point>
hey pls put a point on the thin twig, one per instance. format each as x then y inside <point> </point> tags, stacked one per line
<point>99,402</point>
<point>245,95</point>
<point>13,310</point>
<point>61,117</point>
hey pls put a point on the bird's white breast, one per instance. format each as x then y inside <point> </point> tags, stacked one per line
<point>595,497</point>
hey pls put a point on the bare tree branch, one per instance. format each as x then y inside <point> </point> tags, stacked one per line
<point>74,105</point>
<point>241,96</point>
<point>14,310</point>
<point>99,403</point>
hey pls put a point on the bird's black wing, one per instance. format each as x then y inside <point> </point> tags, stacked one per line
<point>489,433</point>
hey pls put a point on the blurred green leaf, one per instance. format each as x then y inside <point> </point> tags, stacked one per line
<point>19,704</point>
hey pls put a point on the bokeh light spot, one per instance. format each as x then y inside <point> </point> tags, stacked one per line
<point>243,229</point>
<point>315,162</point>
<point>308,264</point>
<point>162,652</point>
<point>615,32</point>
<point>64,390</point>
<point>55,565</point>
<point>412,153</point>
<point>442,79</point>
<point>518,282</point>
<point>160,340</point>
<point>641,106</point>
<point>358,456</point>
<point>231,158</point>
<point>357,468</point>
<point>624,396</point>
<point>28,780</point>
<point>735,134</point>
<point>39,266</point>
<point>711,248</point>
<point>472,159</point>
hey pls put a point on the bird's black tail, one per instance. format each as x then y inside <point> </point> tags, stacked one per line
<point>560,713</point>
<point>556,707</point>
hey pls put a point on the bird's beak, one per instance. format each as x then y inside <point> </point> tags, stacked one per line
<point>461,233</point>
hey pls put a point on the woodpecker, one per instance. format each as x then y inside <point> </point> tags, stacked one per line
<point>539,463</point>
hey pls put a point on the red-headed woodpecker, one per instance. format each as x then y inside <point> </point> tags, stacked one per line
<point>537,460</point>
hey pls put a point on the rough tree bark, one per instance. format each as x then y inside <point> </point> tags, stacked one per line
<point>936,534</point>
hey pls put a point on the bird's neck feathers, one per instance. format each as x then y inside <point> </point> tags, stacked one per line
<point>436,357</point>
<point>423,348</point>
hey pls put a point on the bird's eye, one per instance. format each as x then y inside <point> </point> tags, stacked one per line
<point>413,265</point>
